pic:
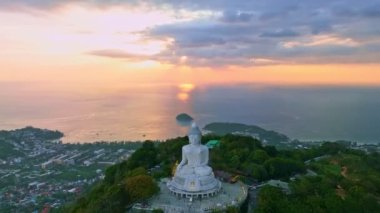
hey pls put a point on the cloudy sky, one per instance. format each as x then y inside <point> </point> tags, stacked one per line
<point>275,41</point>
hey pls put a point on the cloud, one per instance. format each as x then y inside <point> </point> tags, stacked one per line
<point>253,32</point>
<point>322,40</point>
<point>116,53</point>
<point>31,3</point>
<point>372,11</point>
<point>279,33</point>
<point>302,31</point>
<point>266,61</point>
<point>236,16</point>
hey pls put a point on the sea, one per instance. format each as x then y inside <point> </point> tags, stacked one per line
<point>148,111</point>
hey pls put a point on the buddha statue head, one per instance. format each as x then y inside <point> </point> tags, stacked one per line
<point>194,134</point>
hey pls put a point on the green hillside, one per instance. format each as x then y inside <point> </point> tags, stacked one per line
<point>357,185</point>
<point>8,150</point>
<point>348,181</point>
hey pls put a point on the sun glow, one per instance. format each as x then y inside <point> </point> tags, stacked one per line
<point>183,96</point>
<point>184,91</point>
<point>186,87</point>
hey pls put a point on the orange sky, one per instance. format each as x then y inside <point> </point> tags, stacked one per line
<point>62,46</point>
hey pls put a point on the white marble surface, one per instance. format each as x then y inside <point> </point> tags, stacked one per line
<point>193,175</point>
<point>230,195</point>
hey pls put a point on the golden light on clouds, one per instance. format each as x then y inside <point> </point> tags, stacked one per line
<point>183,59</point>
<point>320,40</point>
<point>186,87</point>
<point>110,45</point>
<point>146,64</point>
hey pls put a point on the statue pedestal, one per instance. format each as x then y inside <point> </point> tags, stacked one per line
<point>194,186</point>
<point>192,191</point>
<point>229,195</point>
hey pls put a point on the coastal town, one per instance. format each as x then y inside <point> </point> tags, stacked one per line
<point>40,172</point>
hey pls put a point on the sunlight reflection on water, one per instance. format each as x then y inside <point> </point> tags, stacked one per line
<point>139,113</point>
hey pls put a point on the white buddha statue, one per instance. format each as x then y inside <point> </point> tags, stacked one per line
<point>193,176</point>
<point>194,156</point>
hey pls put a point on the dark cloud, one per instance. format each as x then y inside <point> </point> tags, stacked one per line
<point>320,26</point>
<point>372,11</point>
<point>368,9</point>
<point>269,24</point>
<point>343,11</point>
<point>236,16</point>
<point>196,35</point>
<point>279,33</point>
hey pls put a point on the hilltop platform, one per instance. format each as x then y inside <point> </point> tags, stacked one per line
<point>230,195</point>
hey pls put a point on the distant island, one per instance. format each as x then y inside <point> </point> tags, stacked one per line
<point>279,140</point>
<point>184,119</point>
<point>266,136</point>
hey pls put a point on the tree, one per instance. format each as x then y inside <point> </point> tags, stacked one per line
<point>259,156</point>
<point>280,167</point>
<point>145,157</point>
<point>271,150</point>
<point>332,148</point>
<point>137,171</point>
<point>271,199</point>
<point>235,162</point>
<point>259,172</point>
<point>232,209</point>
<point>116,172</point>
<point>140,187</point>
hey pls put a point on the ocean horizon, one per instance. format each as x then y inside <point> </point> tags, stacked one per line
<point>133,113</point>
